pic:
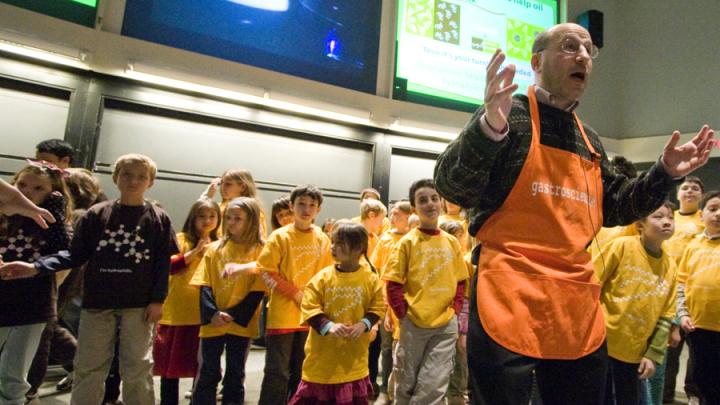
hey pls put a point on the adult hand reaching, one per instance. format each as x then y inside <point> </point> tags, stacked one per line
<point>499,88</point>
<point>682,160</point>
<point>12,202</point>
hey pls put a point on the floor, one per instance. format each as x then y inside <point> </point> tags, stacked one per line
<point>254,370</point>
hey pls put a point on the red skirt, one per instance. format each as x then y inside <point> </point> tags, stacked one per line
<point>350,393</point>
<point>175,351</point>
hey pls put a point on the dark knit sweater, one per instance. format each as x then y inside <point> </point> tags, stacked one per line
<point>478,173</point>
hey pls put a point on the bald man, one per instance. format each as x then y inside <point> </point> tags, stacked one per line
<point>539,186</point>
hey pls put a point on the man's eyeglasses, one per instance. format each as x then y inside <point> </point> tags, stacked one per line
<point>572,46</point>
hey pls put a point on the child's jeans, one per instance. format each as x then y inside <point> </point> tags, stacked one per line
<point>96,347</point>
<point>18,345</point>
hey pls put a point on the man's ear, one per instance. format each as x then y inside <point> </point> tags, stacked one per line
<point>535,62</point>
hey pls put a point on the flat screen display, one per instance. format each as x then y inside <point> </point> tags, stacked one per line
<point>331,41</point>
<point>78,11</point>
<point>443,46</point>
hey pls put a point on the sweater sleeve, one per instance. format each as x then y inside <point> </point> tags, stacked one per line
<point>459,297</point>
<point>177,264</point>
<point>283,286</point>
<point>395,298</point>
<point>82,245</point>
<point>657,345</point>
<point>208,307</point>
<point>462,171</point>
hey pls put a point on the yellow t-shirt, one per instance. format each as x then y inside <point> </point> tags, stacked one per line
<point>384,246</point>
<point>182,305</point>
<point>686,228</point>
<point>429,267</point>
<point>344,298</point>
<point>607,235</point>
<point>637,290</point>
<point>296,256</point>
<point>700,272</point>
<point>230,291</point>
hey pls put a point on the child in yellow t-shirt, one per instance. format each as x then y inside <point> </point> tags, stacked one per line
<point>175,345</point>
<point>688,222</point>
<point>425,279</point>
<point>234,183</point>
<point>400,213</point>
<point>341,303</point>
<point>638,282</point>
<point>291,257</point>
<point>372,214</point>
<point>229,302</point>
<point>698,303</point>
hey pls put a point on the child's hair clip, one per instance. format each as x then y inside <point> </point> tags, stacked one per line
<point>45,165</point>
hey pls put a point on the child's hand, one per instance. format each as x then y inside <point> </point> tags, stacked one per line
<point>388,323</point>
<point>153,312</point>
<point>339,330</point>
<point>221,319</point>
<point>646,369</point>
<point>15,270</point>
<point>212,187</point>
<point>674,337</point>
<point>687,324</point>
<point>373,332</point>
<point>232,269</point>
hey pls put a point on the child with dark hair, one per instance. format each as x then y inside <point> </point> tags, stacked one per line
<point>638,282</point>
<point>425,279</point>
<point>291,257</point>
<point>55,151</point>
<point>341,303</point>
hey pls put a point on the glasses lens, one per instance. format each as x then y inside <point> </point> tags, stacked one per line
<point>572,46</point>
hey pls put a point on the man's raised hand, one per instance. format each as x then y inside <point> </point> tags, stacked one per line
<point>499,88</point>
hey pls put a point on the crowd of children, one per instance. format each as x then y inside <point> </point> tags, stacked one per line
<point>336,307</point>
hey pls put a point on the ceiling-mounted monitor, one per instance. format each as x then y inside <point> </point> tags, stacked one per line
<point>330,41</point>
<point>443,46</point>
<point>78,11</point>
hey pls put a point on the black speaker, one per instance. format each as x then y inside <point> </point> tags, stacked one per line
<point>592,20</point>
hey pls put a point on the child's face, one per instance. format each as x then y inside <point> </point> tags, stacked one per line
<point>62,163</point>
<point>305,209</point>
<point>398,219</point>
<point>689,194</point>
<point>206,220</point>
<point>374,222</point>
<point>284,217</point>
<point>236,220</point>
<point>230,188</point>
<point>711,216</point>
<point>658,226</point>
<point>35,187</point>
<point>133,180</point>
<point>427,205</point>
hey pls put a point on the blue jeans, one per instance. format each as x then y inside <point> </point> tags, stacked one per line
<point>18,345</point>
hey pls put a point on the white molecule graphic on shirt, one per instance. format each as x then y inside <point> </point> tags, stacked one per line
<point>342,299</point>
<point>23,247</point>
<point>129,241</point>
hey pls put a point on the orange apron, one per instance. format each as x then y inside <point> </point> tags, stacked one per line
<point>537,292</point>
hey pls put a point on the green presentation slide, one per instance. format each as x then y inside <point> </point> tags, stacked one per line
<point>444,46</point>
